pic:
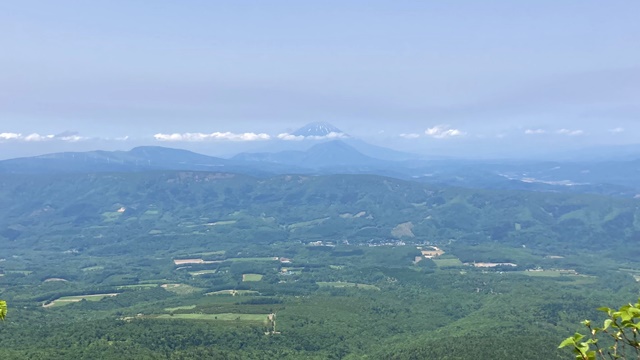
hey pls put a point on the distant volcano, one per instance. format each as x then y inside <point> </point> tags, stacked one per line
<point>317,129</point>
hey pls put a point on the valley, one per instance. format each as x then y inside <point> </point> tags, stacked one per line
<point>338,260</point>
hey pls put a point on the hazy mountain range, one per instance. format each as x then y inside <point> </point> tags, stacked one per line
<point>335,152</point>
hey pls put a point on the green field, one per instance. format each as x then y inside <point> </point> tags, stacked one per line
<point>575,278</point>
<point>252,277</point>
<point>202,272</point>
<point>307,223</point>
<point>111,215</point>
<point>442,263</point>
<point>341,284</point>
<point>137,286</point>
<point>21,272</point>
<point>217,317</point>
<point>544,273</point>
<point>66,300</point>
<point>209,253</point>
<point>224,222</point>
<point>93,268</point>
<point>252,259</point>
<point>181,289</point>
<point>233,292</point>
<point>185,307</point>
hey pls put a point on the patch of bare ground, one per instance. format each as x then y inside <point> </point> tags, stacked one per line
<point>403,230</point>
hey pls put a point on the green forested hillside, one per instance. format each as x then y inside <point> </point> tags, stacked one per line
<point>301,207</point>
<point>185,265</point>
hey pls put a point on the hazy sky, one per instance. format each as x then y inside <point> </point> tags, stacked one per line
<point>456,76</point>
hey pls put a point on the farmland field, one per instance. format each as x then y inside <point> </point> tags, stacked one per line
<point>185,307</point>
<point>217,317</point>
<point>451,262</point>
<point>66,300</point>
<point>180,289</point>
<point>233,292</point>
<point>252,277</point>
<point>340,284</point>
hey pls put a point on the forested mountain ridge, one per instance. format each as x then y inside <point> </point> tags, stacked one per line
<point>163,201</point>
<point>345,157</point>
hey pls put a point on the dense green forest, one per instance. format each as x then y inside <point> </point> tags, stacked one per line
<point>183,265</point>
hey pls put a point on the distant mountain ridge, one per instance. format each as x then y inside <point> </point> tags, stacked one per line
<point>326,154</point>
<point>350,156</point>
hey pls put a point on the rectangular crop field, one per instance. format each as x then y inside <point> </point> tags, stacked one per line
<point>442,263</point>
<point>66,300</point>
<point>234,292</point>
<point>218,317</point>
<point>252,277</point>
<point>341,284</point>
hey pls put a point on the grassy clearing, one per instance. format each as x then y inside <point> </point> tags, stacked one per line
<point>66,300</point>
<point>443,263</point>
<point>93,268</point>
<point>23,272</point>
<point>210,253</point>
<point>111,216</point>
<point>202,272</point>
<point>252,277</point>
<point>136,286</point>
<point>307,223</point>
<point>253,259</point>
<point>181,289</point>
<point>186,307</point>
<point>153,281</point>
<point>341,284</point>
<point>224,222</point>
<point>263,318</point>
<point>234,292</point>
<point>544,273</point>
<point>576,279</point>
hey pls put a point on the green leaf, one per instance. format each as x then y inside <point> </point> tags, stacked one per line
<point>570,341</point>
<point>3,309</point>
<point>607,323</point>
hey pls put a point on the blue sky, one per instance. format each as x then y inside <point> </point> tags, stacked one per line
<point>450,76</point>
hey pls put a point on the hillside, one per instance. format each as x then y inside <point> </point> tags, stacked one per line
<point>350,265</point>
<point>166,201</point>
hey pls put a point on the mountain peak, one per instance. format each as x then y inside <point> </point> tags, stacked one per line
<point>317,129</point>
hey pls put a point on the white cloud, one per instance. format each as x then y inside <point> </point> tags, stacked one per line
<point>410,136</point>
<point>38,137</point>
<point>212,136</point>
<point>443,131</point>
<point>290,137</point>
<point>10,136</point>
<point>331,135</point>
<point>535,131</point>
<point>72,138</point>
<point>570,132</point>
<point>617,130</point>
